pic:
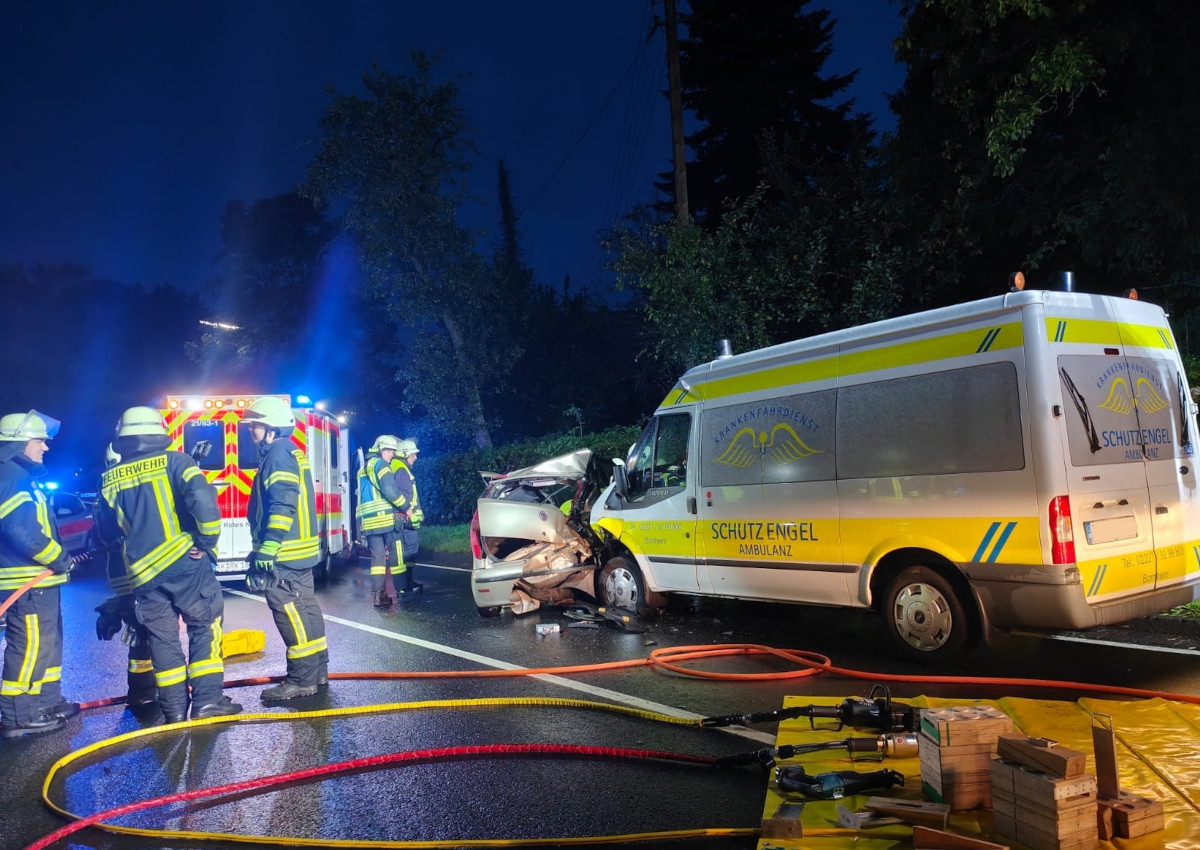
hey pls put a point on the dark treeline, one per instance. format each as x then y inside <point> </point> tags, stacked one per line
<point>1039,136</point>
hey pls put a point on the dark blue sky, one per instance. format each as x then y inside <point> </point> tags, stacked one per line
<point>128,126</point>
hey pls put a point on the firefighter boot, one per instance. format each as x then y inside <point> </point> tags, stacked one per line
<point>221,708</point>
<point>65,710</point>
<point>42,723</point>
<point>287,690</point>
<point>380,599</point>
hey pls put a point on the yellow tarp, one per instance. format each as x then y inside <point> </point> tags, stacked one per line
<point>1158,756</point>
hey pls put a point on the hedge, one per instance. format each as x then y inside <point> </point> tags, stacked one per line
<point>450,484</point>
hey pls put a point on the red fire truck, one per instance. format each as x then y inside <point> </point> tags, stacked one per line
<point>211,430</point>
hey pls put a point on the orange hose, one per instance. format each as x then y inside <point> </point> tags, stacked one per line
<point>16,594</point>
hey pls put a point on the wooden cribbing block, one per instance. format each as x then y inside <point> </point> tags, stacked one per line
<point>1133,815</point>
<point>1042,754</point>
<point>864,820</point>
<point>960,795</point>
<point>911,811</point>
<point>925,838</point>
<point>966,724</point>
<point>785,823</point>
<point>1061,823</point>
<point>1027,782</point>
<point>1087,839</point>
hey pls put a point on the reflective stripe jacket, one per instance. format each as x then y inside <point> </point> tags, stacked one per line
<point>28,535</point>
<point>379,497</point>
<point>282,504</point>
<point>406,483</point>
<point>162,504</point>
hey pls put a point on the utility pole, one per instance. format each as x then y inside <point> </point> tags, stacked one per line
<point>677,145</point>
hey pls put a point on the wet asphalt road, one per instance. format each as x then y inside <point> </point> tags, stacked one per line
<point>492,797</point>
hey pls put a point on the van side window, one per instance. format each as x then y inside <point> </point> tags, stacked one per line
<point>775,441</point>
<point>962,420</point>
<point>247,448</point>
<point>660,457</point>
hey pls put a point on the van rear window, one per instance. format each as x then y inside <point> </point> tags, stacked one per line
<point>204,440</point>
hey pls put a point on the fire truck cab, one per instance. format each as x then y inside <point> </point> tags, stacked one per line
<point>211,430</point>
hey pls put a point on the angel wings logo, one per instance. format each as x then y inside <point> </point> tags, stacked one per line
<point>782,446</point>
<point>1143,396</point>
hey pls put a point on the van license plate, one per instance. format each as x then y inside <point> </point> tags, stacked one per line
<point>1111,530</point>
<point>232,566</point>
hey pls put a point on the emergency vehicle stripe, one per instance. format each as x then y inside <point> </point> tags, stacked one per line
<point>1008,529</point>
<point>1060,331</point>
<point>1107,333</point>
<point>1166,341</point>
<point>987,538</point>
<point>988,339</point>
<point>1096,582</point>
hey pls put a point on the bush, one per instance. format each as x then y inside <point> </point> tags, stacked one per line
<point>450,484</point>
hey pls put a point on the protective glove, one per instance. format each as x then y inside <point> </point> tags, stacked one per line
<point>64,564</point>
<point>261,574</point>
<point>415,517</point>
<point>108,619</point>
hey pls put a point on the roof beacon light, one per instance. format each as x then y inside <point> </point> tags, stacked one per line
<point>1131,294</point>
<point>303,399</point>
<point>1016,282</point>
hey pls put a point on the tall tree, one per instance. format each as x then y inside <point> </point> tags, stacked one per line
<point>753,68</point>
<point>393,163</point>
<point>1049,135</point>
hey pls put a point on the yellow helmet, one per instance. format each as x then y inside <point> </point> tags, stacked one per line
<point>386,441</point>
<point>22,427</point>
<point>141,421</point>
<point>111,458</point>
<point>272,412</point>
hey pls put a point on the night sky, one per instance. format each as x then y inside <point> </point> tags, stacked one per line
<point>128,126</point>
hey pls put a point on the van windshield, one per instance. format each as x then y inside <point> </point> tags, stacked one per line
<point>659,457</point>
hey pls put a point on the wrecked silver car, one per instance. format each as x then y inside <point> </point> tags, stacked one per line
<point>530,538</point>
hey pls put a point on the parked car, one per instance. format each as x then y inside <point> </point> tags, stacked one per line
<point>530,537</point>
<point>76,525</point>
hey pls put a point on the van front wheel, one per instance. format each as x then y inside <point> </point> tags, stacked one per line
<point>923,616</point>
<point>620,585</point>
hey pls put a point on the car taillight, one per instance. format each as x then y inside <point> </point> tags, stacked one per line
<point>476,543</point>
<point>1062,538</point>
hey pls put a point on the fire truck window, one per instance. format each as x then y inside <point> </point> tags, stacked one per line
<point>204,440</point>
<point>247,450</point>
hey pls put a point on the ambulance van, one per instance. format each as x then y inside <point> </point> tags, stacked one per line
<point>1020,462</point>
<point>211,429</point>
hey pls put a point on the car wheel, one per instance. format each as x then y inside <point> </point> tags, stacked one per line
<point>923,616</point>
<point>620,585</point>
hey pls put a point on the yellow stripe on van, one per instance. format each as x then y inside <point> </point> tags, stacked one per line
<point>1100,332</point>
<point>943,347</point>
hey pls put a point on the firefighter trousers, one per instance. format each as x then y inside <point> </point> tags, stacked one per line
<point>188,589</point>
<point>32,683</point>
<point>386,549</point>
<point>301,625</point>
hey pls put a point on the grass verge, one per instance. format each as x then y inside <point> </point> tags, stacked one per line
<point>1192,609</point>
<point>450,539</point>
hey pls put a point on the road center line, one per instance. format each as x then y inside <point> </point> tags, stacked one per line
<point>485,661</point>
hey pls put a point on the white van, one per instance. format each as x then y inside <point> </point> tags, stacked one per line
<point>1023,461</point>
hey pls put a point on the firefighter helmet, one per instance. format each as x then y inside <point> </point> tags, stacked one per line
<point>22,427</point>
<point>408,447</point>
<point>272,412</point>
<point>387,441</point>
<point>111,458</point>
<point>141,421</point>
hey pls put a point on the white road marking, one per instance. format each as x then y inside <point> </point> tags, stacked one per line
<point>1112,643</point>
<point>485,661</point>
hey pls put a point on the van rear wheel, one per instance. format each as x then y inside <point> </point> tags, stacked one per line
<point>620,585</point>
<point>923,615</point>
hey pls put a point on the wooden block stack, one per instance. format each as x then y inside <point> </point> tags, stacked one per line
<point>1041,795</point>
<point>1130,815</point>
<point>956,746</point>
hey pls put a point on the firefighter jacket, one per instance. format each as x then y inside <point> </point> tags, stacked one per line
<point>406,483</point>
<point>379,496</point>
<point>28,534</point>
<point>283,505</point>
<point>162,505</point>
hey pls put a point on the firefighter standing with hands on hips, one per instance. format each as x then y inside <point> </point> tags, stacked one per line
<point>379,499</point>
<point>165,509</point>
<point>117,611</point>
<point>283,525</point>
<point>410,519</point>
<point>31,692</point>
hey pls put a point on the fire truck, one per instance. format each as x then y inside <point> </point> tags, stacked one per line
<point>211,430</point>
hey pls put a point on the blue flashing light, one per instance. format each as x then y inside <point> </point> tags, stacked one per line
<point>51,485</point>
<point>303,399</point>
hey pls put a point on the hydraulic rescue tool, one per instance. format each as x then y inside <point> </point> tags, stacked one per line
<point>898,745</point>
<point>876,712</point>
<point>835,784</point>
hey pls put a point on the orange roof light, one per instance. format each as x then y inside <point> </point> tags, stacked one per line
<point>1016,282</point>
<point>173,404</point>
<point>1131,294</point>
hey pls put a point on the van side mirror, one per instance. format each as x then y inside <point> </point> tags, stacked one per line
<point>620,478</point>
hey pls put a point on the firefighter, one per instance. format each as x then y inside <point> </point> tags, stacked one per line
<point>283,526</point>
<point>378,501</point>
<point>117,611</point>
<point>408,521</point>
<point>31,692</point>
<point>161,504</point>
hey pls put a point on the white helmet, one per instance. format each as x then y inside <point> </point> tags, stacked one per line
<point>139,421</point>
<point>408,447</point>
<point>272,412</point>
<point>387,441</point>
<point>22,427</point>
